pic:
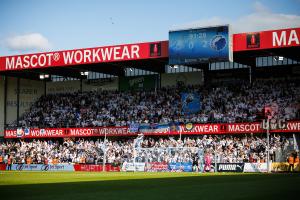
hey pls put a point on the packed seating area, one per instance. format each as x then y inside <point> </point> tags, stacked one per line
<point>230,103</point>
<point>225,149</point>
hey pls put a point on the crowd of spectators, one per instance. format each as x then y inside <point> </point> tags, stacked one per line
<point>231,103</point>
<point>228,149</point>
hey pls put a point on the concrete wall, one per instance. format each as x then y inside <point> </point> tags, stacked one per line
<point>74,86</point>
<point>1,106</point>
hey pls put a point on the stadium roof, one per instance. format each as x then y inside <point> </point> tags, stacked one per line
<point>151,56</point>
<point>283,42</point>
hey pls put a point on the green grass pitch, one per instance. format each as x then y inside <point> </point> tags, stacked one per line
<point>146,186</point>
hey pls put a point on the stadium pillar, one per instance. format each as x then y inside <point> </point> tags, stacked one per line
<point>18,100</point>
<point>252,70</point>
<point>206,73</point>
<point>45,88</point>
<point>5,103</point>
<point>250,75</point>
<point>268,149</point>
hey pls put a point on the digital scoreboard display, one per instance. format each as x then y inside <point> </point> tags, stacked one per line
<point>199,45</point>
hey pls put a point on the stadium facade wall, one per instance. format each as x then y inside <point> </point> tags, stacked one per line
<point>30,91</point>
<point>2,106</point>
<point>11,101</point>
<point>74,86</point>
<point>188,78</point>
<point>98,85</point>
<point>62,87</point>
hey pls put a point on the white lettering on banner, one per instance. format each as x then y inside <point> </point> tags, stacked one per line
<point>119,131</point>
<point>282,38</point>
<point>229,167</point>
<point>106,54</point>
<point>87,56</point>
<point>135,51</point>
<point>95,54</point>
<point>117,52</point>
<point>101,54</point>
<point>207,128</point>
<point>46,133</point>
<point>80,56</point>
<point>23,62</point>
<point>99,131</point>
<point>255,167</point>
<point>82,132</point>
<point>113,131</point>
<point>125,54</point>
<point>243,127</point>
<point>202,129</point>
<point>11,133</point>
<point>293,126</point>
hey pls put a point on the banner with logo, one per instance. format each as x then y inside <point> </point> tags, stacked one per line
<point>230,167</point>
<point>255,167</point>
<point>156,128</point>
<point>283,167</point>
<point>266,39</point>
<point>181,167</point>
<point>67,58</point>
<point>42,167</point>
<point>157,167</point>
<point>131,167</point>
<point>190,102</point>
<point>152,129</point>
<point>96,168</point>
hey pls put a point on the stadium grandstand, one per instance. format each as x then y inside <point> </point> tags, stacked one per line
<point>156,106</point>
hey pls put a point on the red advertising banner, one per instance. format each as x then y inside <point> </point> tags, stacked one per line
<point>67,132</point>
<point>2,167</point>
<point>96,168</point>
<point>196,129</point>
<point>266,39</point>
<point>104,54</point>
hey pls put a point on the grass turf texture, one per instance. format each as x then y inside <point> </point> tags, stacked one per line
<point>144,186</point>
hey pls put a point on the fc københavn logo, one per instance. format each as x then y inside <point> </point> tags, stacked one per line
<point>218,42</point>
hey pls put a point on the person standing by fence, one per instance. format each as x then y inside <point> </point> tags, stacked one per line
<point>291,161</point>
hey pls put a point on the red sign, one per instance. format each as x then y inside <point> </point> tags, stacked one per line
<point>96,168</point>
<point>197,129</point>
<point>67,132</point>
<point>2,167</point>
<point>85,56</point>
<point>266,39</point>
